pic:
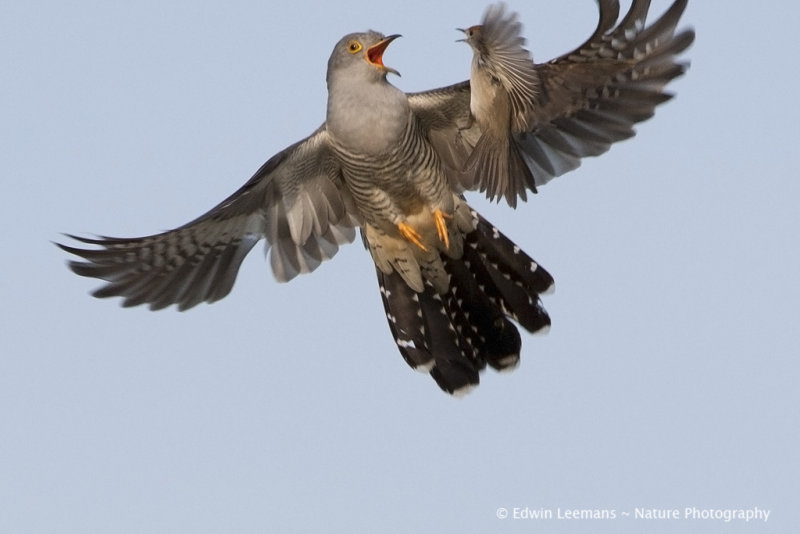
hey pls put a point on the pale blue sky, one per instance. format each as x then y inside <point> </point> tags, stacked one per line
<point>669,378</point>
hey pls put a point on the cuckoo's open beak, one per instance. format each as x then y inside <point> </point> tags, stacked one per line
<point>375,53</point>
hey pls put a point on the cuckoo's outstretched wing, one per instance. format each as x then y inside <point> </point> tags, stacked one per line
<point>296,200</point>
<point>585,101</point>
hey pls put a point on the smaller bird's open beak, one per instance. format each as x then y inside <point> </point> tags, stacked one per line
<point>375,53</point>
<point>469,34</point>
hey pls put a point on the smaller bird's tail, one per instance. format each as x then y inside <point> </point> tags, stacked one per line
<point>497,164</point>
<point>454,335</point>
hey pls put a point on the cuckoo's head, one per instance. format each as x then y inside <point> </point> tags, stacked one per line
<point>361,54</point>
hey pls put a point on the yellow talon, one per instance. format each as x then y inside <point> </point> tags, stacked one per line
<point>440,218</point>
<point>410,234</point>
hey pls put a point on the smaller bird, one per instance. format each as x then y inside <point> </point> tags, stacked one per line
<point>504,84</point>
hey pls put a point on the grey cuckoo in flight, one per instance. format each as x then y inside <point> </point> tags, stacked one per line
<point>396,166</point>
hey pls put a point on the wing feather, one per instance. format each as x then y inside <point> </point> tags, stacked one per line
<point>584,101</point>
<point>296,200</point>
<point>510,61</point>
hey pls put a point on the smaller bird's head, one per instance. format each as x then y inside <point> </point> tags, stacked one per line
<point>498,29</point>
<point>361,54</point>
<point>473,35</point>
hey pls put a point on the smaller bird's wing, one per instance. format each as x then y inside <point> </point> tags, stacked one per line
<point>585,100</point>
<point>296,200</point>
<point>510,61</point>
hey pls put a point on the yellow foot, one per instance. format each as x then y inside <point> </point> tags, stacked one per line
<point>410,234</point>
<point>440,218</point>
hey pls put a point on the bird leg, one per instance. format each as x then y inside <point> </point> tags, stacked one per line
<point>440,218</point>
<point>407,231</point>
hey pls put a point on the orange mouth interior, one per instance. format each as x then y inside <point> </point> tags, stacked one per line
<point>375,52</point>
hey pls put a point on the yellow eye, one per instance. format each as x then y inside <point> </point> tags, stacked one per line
<point>353,47</point>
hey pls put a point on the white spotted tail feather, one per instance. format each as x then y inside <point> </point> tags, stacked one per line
<point>454,335</point>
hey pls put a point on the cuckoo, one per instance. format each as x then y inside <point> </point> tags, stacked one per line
<point>396,167</point>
